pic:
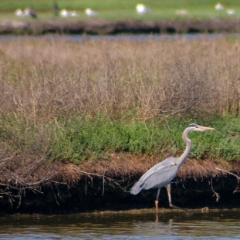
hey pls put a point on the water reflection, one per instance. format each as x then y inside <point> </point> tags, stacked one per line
<point>172,225</point>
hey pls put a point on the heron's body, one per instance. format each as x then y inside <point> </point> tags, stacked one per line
<point>159,171</point>
<point>161,174</point>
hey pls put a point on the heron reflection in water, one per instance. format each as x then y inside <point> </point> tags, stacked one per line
<point>161,174</point>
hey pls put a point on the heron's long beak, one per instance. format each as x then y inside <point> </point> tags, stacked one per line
<point>203,128</point>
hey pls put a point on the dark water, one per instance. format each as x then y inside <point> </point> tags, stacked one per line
<point>122,36</point>
<point>221,225</point>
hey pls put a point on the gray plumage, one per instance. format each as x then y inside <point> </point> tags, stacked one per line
<point>161,174</point>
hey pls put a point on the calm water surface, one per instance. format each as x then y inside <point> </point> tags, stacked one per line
<point>121,36</point>
<point>221,225</point>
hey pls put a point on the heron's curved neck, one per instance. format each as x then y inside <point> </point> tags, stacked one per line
<point>186,152</point>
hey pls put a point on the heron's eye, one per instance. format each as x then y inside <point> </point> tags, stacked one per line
<point>193,125</point>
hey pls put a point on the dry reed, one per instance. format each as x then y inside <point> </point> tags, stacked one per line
<point>43,78</point>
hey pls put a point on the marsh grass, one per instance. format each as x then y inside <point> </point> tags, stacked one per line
<point>67,100</point>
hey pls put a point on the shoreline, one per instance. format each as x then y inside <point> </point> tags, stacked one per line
<point>104,186</point>
<point>104,27</point>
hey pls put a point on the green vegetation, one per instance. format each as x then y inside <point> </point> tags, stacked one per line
<point>76,101</point>
<point>124,9</point>
<point>81,139</point>
<point>76,139</point>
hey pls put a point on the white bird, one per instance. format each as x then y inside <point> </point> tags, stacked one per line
<point>231,11</point>
<point>181,12</point>
<point>30,12</point>
<point>19,13</point>
<point>73,14</point>
<point>64,13</point>
<point>219,6</point>
<point>141,9</point>
<point>90,12</point>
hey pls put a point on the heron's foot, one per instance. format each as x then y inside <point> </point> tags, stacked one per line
<point>184,209</point>
<point>156,219</point>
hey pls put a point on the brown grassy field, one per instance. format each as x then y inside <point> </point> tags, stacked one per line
<point>45,78</point>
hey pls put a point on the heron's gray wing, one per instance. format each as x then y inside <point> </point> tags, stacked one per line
<point>159,175</point>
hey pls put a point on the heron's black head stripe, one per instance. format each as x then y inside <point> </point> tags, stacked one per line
<point>193,125</point>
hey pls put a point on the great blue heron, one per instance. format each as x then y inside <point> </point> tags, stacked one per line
<point>161,174</point>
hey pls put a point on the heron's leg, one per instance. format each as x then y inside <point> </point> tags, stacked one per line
<point>168,187</point>
<point>156,201</point>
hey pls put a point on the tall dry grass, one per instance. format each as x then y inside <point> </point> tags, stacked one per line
<point>44,78</point>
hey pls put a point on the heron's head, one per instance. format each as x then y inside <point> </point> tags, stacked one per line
<point>193,127</point>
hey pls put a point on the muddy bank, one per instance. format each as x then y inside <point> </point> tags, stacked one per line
<point>96,27</point>
<point>40,187</point>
